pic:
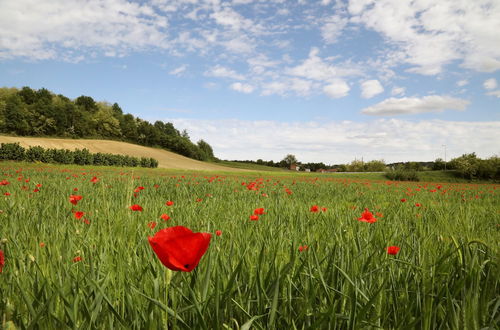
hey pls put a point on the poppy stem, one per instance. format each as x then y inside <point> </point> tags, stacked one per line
<point>168,277</point>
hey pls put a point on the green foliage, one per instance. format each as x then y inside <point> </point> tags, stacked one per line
<point>471,167</point>
<point>31,112</point>
<point>402,174</point>
<point>35,154</point>
<point>83,157</point>
<point>14,151</point>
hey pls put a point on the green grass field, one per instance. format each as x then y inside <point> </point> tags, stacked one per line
<point>99,271</point>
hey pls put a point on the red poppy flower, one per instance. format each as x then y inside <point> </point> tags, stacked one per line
<point>169,203</point>
<point>94,179</point>
<point>178,248</point>
<point>165,217</point>
<point>259,211</point>
<point>324,209</point>
<point>2,260</point>
<point>42,244</point>
<point>7,193</point>
<point>39,185</point>
<point>254,217</point>
<point>303,248</point>
<point>418,204</point>
<point>73,199</point>
<point>135,207</point>
<point>77,259</point>
<point>218,232</point>
<point>75,189</point>
<point>403,200</point>
<point>314,208</point>
<point>4,183</point>
<point>367,216</point>
<point>79,214</point>
<point>152,225</point>
<point>36,190</point>
<point>393,250</point>
<point>199,200</point>
<point>138,189</point>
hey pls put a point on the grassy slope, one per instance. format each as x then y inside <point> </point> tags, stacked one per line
<point>165,158</point>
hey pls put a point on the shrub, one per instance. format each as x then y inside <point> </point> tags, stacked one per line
<point>35,154</point>
<point>401,174</point>
<point>12,151</point>
<point>83,157</point>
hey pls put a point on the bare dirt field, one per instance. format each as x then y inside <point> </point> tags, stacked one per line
<point>165,158</point>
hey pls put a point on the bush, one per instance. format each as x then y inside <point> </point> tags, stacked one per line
<point>35,154</point>
<point>12,151</point>
<point>83,157</point>
<point>401,174</point>
<point>145,162</point>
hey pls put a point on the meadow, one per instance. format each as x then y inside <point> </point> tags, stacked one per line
<point>312,259</point>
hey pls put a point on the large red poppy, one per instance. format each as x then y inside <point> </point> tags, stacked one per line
<point>367,216</point>
<point>178,248</point>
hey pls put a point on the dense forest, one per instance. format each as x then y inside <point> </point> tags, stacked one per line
<point>29,112</point>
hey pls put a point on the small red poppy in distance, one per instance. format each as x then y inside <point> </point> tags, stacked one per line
<point>418,204</point>
<point>178,248</point>
<point>324,209</point>
<point>169,203</point>
<point>74,199</point>
<point>94,179</point>
<point>254,217</point>
<point>77,259</point>
<point>135,207</point>
<point>403,200</point>
<point>218,232</point>
<point>393,250</point>
<point>259,211</point>
<point>4,182</point>
<point>367,216</point>
<point>165,217</point>
<point>79,214</point>
<point>314,208</point>
<point>2,260</point>
<point>303,248</point>
<point>152,224</point>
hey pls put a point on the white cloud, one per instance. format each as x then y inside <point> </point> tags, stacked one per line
<point>314,67</point>
<point>370,88</point>
<point>56,29</point>
<point>223,72</point>
<point>179,70</point>
<point>494,93</point>
<point>332,28</point>
<point>462,82</point>
<point>413,105</point>
<point>337,89</point>
<point>243,88</point>
<point>433,34</point>
<point>490,84</point>
<point>397,91</point>
<point>342,141</point>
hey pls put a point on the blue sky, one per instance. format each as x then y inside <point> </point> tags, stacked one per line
<point>325,80</point>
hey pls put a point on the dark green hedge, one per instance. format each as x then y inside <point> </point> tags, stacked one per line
<point>14,151</point>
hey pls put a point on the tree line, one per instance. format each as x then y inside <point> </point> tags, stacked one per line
<point>14,151</point>
<point>29,112</point>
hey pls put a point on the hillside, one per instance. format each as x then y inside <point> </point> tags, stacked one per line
<point>165,158</point>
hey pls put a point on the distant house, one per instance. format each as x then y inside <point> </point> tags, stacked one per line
<point>294,167</point>
<point>307,170</point>
<point>321,170</point>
